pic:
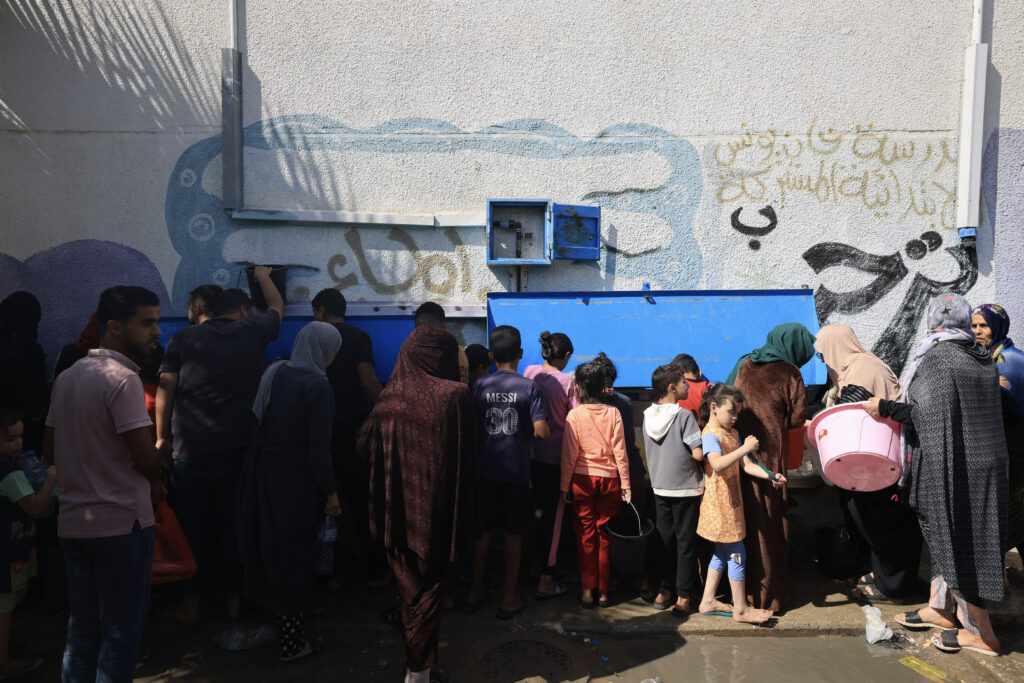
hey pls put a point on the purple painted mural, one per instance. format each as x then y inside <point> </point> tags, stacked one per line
<point>68,279</point>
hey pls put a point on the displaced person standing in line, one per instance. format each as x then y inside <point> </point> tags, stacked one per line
<point>951,411</point>
<point>776,402</point>
<point>210,374</point>
<point>672,441</point>
<point>200,303</point>
<point>637,472</point>
<point>420,443</point>
<point>510,414</point>
<point>991,326</point>
<point>595,477</point>
<point>559,392</point>
<point>881,517</point>
<point>356,388</point>
<point>23,383</point>
<point>288,475</point>
<point>98,435</point>
<point>695,380</point>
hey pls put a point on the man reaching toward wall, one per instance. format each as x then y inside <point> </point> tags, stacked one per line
<point>208,381</point>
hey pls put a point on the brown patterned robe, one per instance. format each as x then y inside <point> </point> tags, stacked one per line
<point>423,507</point>
<point>776,401</point>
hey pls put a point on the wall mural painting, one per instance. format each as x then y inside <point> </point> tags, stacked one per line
<point>891,184</point>
<point>440,264</point>
<point>68,280</point>
<point>870,185</point>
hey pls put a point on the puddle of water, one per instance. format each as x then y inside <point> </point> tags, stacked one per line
<point>736,660</point>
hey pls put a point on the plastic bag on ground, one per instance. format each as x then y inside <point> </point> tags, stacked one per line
<point>876,630</point>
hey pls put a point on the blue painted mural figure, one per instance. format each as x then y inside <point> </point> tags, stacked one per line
<point>199,228</point>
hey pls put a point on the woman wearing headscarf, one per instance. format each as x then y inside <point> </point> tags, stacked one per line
<point>23,383</point>
<point>883,520</point>
<point>956,476</point>
<point>419,441</point>
<point>776,402</point>
<point>991,326</point>
<point>287,476</point>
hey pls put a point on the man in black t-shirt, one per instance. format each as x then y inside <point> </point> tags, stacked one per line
<point>356,388</point>
<point>208,382</point>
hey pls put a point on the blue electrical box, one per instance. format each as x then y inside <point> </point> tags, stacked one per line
<point>534,232</point>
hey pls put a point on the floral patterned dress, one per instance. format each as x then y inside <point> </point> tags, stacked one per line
<point>721,510</point>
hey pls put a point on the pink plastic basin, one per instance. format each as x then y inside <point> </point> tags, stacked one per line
<point>857,452</point>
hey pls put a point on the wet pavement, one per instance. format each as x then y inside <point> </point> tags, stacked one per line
<point>820,638</point>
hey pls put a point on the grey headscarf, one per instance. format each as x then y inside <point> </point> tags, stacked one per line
<point>315,345</point>
<point>949,319</point>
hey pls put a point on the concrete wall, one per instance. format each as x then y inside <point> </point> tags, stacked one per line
<point>730,145</point>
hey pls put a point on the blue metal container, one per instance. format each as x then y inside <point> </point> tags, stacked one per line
<point>642,330</point>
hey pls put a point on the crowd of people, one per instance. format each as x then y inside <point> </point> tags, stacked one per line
<point>459,444</point>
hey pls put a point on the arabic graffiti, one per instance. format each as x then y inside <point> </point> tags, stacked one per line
<point>890,176</point>
<point>455,265</point>
<point>895,342</point>
<point>863,187</point>
<point>752,230</point>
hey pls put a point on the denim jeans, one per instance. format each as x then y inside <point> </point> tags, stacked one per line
<point>108,590</point>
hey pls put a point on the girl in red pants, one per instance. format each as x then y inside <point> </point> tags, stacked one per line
<point>595,476</point>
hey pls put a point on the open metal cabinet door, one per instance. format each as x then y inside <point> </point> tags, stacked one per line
<point>576,232</point>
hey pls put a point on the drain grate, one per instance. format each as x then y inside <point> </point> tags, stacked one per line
<point>519,659</point>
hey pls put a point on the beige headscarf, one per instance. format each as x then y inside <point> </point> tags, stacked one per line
<point>850,363</point>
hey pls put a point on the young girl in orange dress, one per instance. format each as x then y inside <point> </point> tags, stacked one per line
<point>721,510</point>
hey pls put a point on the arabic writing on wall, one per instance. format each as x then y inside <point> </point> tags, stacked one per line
<point>440,274</point>
<point>893,176</point>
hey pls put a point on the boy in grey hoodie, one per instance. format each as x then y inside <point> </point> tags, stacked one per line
<point>672,441</point>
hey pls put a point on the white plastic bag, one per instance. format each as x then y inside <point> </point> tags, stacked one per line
<point>876,630</point>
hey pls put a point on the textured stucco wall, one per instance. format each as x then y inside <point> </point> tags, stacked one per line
<point>734,144</point>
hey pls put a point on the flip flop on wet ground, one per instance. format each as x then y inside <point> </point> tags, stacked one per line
<point>661,606</point>
<point>559,591</point>
<point>859,581</point>
<point>914,622</point>
<point>871,593</point>
<point>947,641</point>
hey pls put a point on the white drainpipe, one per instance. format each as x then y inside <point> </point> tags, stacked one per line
<point>233,11</point>
<point>972,119</point>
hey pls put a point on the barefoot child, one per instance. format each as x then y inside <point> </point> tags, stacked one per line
<point>721,511</point>
<point>18,505</point>
<point>672,441</point>
<point>595,475</point>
